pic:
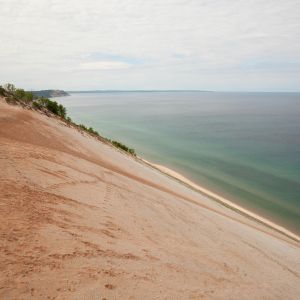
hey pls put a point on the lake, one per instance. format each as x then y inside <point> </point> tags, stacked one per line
<point>244,146</point>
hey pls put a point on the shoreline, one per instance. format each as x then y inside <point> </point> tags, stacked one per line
<point>227,203</point>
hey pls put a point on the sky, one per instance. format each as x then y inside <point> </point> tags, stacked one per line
<point>220,45</point>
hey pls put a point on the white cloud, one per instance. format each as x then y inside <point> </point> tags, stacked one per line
<point>201,44</point>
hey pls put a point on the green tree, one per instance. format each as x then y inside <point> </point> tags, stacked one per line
<point>28,97</point>
<point>62,111</point>
<point>2,91</point>
<point>52,106</point>
<point>19,93</point>
<point>9,87</point>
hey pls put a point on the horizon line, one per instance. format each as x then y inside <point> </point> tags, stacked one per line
<point>172,90</point>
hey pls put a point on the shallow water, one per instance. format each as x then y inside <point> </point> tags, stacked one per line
<point>244,146</point>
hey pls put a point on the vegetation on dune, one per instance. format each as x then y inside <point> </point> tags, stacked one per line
<point>9,87</point>
<point>123,147</point>
<point>25,96</point>
<point>2,91</point>
<point>53,106</point>
<point>28,99</point>
<point>89,129</point>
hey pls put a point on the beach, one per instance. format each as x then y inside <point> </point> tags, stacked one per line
<point>82,219</point>
<point>224,201</point>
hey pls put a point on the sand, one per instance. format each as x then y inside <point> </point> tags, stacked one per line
<point>224,201</point>
<point>82,220</point>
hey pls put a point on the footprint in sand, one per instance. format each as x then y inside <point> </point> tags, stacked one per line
<point>108,194</point>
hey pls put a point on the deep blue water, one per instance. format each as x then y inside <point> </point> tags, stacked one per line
<point>244,146</point>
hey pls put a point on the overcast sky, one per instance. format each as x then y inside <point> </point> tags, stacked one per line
<point>229,45</point>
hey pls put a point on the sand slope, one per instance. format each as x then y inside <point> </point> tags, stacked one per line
<point>81,220</point>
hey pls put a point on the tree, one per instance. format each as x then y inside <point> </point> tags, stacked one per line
<point>2,91</point>
<point>62,111</point>
<point>52,106</point>
<point>9,87</point>
<point>28,97</point>
<point>19,93</point>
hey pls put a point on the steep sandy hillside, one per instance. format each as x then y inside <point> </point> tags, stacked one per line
<point>81,220</point>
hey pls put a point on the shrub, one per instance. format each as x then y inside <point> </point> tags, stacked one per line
<point>132,151</point>
<point>83,127</point>
<point>28,97</point>
<point>9,87</point>
<point>43,101</point>
<point>91,130</point>
<point>2,91</point>
<point>62,111</point>
<point>37,105</point>
<point>52,106</point>
<point>124,147</point>
<point>20,94</point>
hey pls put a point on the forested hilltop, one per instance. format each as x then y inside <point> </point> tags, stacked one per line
<point>50,93</point>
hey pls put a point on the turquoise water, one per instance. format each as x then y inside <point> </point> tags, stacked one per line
<point>244,146</point>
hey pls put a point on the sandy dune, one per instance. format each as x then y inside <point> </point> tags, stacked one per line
<point>81,220</point>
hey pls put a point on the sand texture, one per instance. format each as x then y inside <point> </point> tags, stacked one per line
<point>224,201</point>
<point>82,220</point>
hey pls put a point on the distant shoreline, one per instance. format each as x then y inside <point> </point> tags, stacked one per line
<point>51,93</point>
<point>139,91</point>
<point>177,176</point>
<point>179,91</point>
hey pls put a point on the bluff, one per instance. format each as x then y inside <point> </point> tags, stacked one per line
<point>50,93</point>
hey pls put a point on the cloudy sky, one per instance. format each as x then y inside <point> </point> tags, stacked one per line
<point>242,45</point>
